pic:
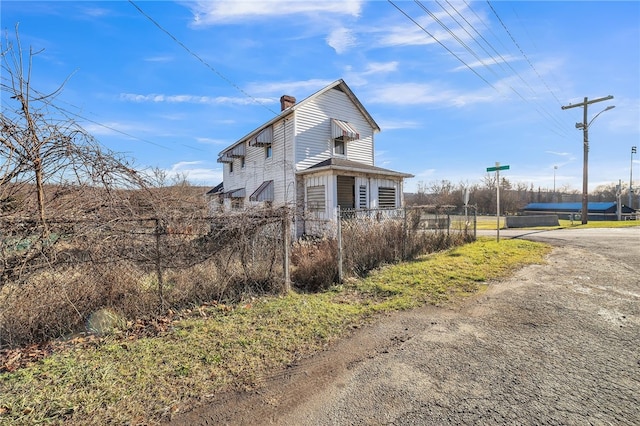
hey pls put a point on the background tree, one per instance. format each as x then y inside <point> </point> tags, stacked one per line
<point>47,160</point>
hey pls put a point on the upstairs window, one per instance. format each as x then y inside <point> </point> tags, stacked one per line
<point>268,151</point>
<point>341,133</point>
<point>231,167</point>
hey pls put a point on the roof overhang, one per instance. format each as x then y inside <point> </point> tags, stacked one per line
<point>264,192</point>
<point>235,193</point>
<point>340,165</point>
<point>343,130</point>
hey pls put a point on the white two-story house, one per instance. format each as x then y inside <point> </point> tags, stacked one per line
<point>316,155</point>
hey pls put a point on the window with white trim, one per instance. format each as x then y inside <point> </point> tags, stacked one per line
<point>341,133</point>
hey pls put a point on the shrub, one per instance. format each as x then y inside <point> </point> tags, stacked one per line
<point>315,265</point>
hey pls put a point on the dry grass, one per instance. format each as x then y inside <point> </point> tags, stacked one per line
<point>216,347</point>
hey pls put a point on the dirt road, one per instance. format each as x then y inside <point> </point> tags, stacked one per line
<point>554,344</point>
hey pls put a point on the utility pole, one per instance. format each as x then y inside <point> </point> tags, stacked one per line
<point>585,131</point>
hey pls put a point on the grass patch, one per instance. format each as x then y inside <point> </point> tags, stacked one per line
<point>600,224</point>
<point>216,347</point>
<point>489,223</point>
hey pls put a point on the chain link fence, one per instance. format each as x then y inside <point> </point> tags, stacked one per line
<point>137,267</point>
<point>53,282</point>
<point>369,238</point>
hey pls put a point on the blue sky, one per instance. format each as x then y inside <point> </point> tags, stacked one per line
<point>455,86</point>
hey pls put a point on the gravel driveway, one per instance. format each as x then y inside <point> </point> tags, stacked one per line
<point>554,344</point>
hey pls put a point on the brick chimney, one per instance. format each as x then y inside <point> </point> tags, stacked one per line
<point>286,101</point>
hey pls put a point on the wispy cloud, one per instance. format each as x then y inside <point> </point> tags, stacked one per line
<point>224,12</point>
<point>96,12</point>
<point>192,99</point>
<point>211,141</point>
<point>564,158</point>
<point>560,154</point>
<point>196,172</point>
<point>341,40</point>
<point>401,124</point>
<point>112,128</point>
<point>425,174</point>
<point>380,67</point>
<point>297,88</point>
<point>159,59</point>
<point>424,94</point>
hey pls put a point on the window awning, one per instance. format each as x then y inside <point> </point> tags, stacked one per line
<point>224,158</point>
<point>264,192</point>
<point>237,151</point>
<point>343,130</point>
<point>264,138</point>
<point>235,193</point>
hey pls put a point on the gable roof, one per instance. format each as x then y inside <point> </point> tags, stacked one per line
<point>337,85</point>
<point>351,166</point>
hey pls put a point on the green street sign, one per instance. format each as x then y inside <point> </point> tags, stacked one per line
<point>493,169</point>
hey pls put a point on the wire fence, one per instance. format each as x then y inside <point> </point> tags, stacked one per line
<point>371,237</point>
<point>140,267</point>
<point>54,281</point>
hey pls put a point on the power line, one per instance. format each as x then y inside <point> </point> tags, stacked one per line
<point>441,44</point>
<point>530,39</point>
<point>195,55</point>
<point>523,54</point>
<point>544,114</point>
<point>453,34</point>
<point>556,121</point>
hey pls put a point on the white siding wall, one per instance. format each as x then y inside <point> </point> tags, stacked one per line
<point>328,181</point>
<point>387,183</point>
<point>235,180</point>
<point>313,130</point>
<point>372,184</point>
<point>258,168</point>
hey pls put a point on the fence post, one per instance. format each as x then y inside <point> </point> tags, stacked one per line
<point>475,222</point>
<point>339,238</point>
<point>404,233</point>
<point>158,231</point>
<point>286,249</point>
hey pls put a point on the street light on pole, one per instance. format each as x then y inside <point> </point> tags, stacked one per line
<point>633,151</point>
<point>585,131</point>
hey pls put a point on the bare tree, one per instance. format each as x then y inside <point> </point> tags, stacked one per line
<point>42,148</point>
<point>52,171</point>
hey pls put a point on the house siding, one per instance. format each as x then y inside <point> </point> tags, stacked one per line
<point>302,138</point>
<point>259,169</point>
<point>326,180</point>
<point>313,130</point>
